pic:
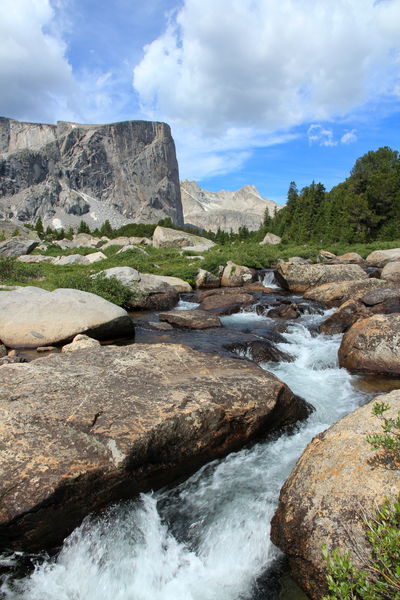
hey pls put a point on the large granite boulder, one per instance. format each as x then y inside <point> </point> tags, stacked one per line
<point>16,246</point>
<point>164,237</point>
<point>32,317</point>
<point>372,345</point>
<point>379,258</point>
<point>271,239</point>
<point>85,240</point>
<point>206,280</point>
<point>300,278</point>
<point>344,317</point>
<point>66,173</point>
<point>391,272</point>
<point>83,429</point>
<point>335,484</point>
<point>334,294</point>
<point>235,275</point>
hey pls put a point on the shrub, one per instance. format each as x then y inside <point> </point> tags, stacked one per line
<point>12,271</point>
<point>108,288</point>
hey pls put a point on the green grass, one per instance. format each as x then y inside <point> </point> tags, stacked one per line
<point>165,261</point>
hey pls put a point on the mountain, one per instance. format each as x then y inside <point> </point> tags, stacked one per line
<point>225,210</point>
<point>67,172</point>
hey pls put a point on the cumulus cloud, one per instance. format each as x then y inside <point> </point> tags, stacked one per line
<point>270,66</point>
<point>349,137</point>
<point>35,77</point>
<point>320,135</point>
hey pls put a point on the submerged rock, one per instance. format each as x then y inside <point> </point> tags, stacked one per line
<point>335,484</point>
<point>32,317</point>
<point>191,319</point>
<point>83,429</point>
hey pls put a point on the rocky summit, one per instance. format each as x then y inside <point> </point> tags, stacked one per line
<point>225,210</point>
<point>68,172</point>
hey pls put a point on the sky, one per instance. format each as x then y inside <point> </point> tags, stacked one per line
<point>257,92</point>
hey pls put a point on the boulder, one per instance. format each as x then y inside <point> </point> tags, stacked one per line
<point>205,279</point>
<point>261,351</point>
<point>372,345</point>
<point>80,342</point>
<point>350,257</point>
<point>7,230</point>
<point>84,429</point>
<point>179,285</point>
<point>300,278</point>
<point>236,275</point>
<point>191,319</point>
<point>344,317</point>
<point>132,247</point>
<point>32,317</point>
<point>334,294</point>
<point>118,241</point>
<point>221,291</point>
<point>35,258</point>
<point>379,258</point>
<point>16,246</point>
<point>333,487</point>
<point>163,237</point>
<point>94,257</point>
<point>284,311</point>
<point>391,272</point>
<point>379,295</point>
<point>71,259</point>
<point>126,275</point>
<point>271,240</point>
<point>326,256</point>
<point>85,240</point>
<point>226,304</point>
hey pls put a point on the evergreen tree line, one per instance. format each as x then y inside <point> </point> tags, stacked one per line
<point>364,208</point>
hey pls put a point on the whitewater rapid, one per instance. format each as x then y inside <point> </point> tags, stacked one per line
<point>207,538</point>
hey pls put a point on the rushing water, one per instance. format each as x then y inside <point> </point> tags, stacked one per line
<point>207,538</point>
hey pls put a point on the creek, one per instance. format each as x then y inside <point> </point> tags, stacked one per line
<point>207,538</point>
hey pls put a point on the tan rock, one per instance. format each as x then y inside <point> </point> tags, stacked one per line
<point>391,272</point>
<point>372,346</point>
<point>335,294</point>
<point>35,258</point>
<point>350,257</point>
<point>89,428</point>
<point>344,317</point>
<point>32,317</point>
<point>205,279</point>
<point>236,275</point>
<point>94,257</point>
<point>300,278</point>
<point>226,304</point>
<point>334,485</point>
<point>326,256</point>
<point>81,342</point>
<point>379,258</point>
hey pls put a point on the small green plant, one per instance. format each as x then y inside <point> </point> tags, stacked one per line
<point>108,288</point>
<point>389,440</point>
<point>380,577</point>
<point>12,271</point>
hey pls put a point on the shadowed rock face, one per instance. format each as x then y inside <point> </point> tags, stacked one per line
<point>69,172</point>
<point>337,481</point>
<point>90,427</point>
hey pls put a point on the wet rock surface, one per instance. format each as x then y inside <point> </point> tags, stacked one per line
<point>117,421</point>
<point>336,482</point>
<point>191,319</point>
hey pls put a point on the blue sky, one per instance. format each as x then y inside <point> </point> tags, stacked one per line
<point>256,91</point>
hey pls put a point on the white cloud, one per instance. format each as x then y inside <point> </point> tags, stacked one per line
<point>349,137</point>
<point>35,77</point>
<point>267,66</point>
<point>320,135</point>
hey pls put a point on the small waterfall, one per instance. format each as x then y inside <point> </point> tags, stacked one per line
<point>268,280</point>
<point>207,538</point>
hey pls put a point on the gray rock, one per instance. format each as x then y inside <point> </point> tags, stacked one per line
<point>236,275</point>
<point>300,278</point>
<point>271,240</point>
<point>205,279</point>
<point>71,259</point>
<point>164,237</point>
<point>191,319</point>
<point>379,258</point>
<point>35,258</point>
<point>8,228</point>
<point>80,342</point>
<point>16,246</point>
<point>379,295</point>
<point>68,172</point>
<point>85,429</point>
<point>391,272</point>
<point>32,317</point>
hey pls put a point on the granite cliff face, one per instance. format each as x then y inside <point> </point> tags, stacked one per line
<point>225,210</point>
<point>68,172</point>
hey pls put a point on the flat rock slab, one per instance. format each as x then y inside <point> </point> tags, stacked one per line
<point>300,278</point>
<point>336,482</point>
<point>334,294</point>
<point>87,428</point>
<point>226,304</point>
<point>191,319</point>
<point>32,317</point>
